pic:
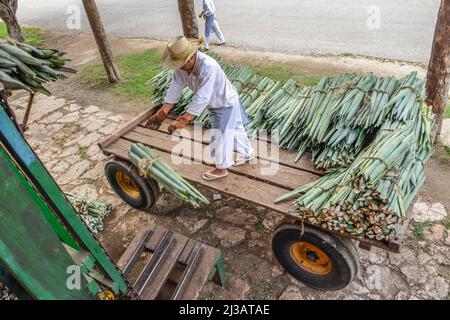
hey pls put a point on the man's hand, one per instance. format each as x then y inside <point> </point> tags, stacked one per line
<point>157,119</point>
<point>201,14</point>
<point>181,122</point>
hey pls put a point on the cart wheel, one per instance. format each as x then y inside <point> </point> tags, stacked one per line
<point>316,258</point>
<point>138,192</point>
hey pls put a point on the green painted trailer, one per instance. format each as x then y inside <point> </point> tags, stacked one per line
<point>46,251</point>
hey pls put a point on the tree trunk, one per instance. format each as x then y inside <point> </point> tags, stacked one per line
<point>438,76</point>
<point>102,41</point>
<point>8,10</point>
<point>188,18</point>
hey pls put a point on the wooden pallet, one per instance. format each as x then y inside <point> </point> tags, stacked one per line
<point>161,264</point>
<point>247,182</point>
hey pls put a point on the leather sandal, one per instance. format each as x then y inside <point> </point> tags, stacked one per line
<point>210,176</point>
<point>241,161</point>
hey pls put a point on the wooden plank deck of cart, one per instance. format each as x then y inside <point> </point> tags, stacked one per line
<point>317,257</point>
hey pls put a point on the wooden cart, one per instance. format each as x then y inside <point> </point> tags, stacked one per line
<point>318,258</point>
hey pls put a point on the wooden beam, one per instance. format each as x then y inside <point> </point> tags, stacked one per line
<point>234,185</point>
<point>102,41</point>
<point>127,127</point>
<point>286,157</point>
<point>286,177</point>
<point>438,76</point>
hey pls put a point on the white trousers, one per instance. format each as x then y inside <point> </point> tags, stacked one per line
<point>211,25</point>
<point>230,137</point>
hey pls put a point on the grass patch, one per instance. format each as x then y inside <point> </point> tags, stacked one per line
<point>447,112</point>
<point>33,35</point>
<point>258,225</point>
<point>62,141</point>
<point>419,228</point>
<point>136,70</point>
<point>129,237</point>
<point>82,152</point>
<point>284,73</point>
<point>446,223</point>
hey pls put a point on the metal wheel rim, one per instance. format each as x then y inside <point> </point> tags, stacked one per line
<point>127,185</point>
<point>311,258</point>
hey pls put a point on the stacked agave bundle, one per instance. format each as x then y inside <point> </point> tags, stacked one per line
<point>160,84</point>
<point>270,111</point>
<point>333,119</point>
<point>149,164</point>
<point>92,212</point>
<point>329,130</point>
<point>23,66</point>
<point>288,111</point>
<point>356,117</point>
<point>257,94</point>
<point>251,89</point>
<point>370,197</point>
<point>338,129</point>
<point>259,87</point>
<point>312,116</point>
<point>371,134</point>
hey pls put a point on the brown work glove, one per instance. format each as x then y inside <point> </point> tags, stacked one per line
<point>157,119</point>
<point>181,122</point>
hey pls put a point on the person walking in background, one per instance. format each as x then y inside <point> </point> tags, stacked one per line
<point>211,24</point>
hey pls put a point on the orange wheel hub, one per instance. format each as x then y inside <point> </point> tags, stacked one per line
<point>106,295</point>
<point>127,185</point>
<point>311,258</point>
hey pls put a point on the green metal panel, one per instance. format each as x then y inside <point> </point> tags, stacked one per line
<point>62,233</point>
<point>13,285</point>
<point>29,248</point>
<point>53,194</point>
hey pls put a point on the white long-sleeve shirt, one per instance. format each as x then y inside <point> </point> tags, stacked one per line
<point>208,7</point>
<point>209,83</point>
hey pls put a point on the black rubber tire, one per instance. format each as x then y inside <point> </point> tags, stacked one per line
<point>341,252</point>
<point>148,188</point>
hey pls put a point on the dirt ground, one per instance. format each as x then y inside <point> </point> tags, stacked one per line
<point>242,231</point>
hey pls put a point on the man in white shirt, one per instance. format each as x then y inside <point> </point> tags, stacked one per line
<point>212,91</point>
<point>211,24</point>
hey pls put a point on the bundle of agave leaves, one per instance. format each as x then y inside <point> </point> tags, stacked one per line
<point>92,212</point>
<point>148,162</point>
<point>23,66</point>
<point>371,196</point>
<point>371,134</point>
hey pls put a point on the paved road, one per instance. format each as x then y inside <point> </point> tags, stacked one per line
<point>294,26</point>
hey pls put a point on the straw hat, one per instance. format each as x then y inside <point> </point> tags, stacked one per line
<point>180,50</point>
